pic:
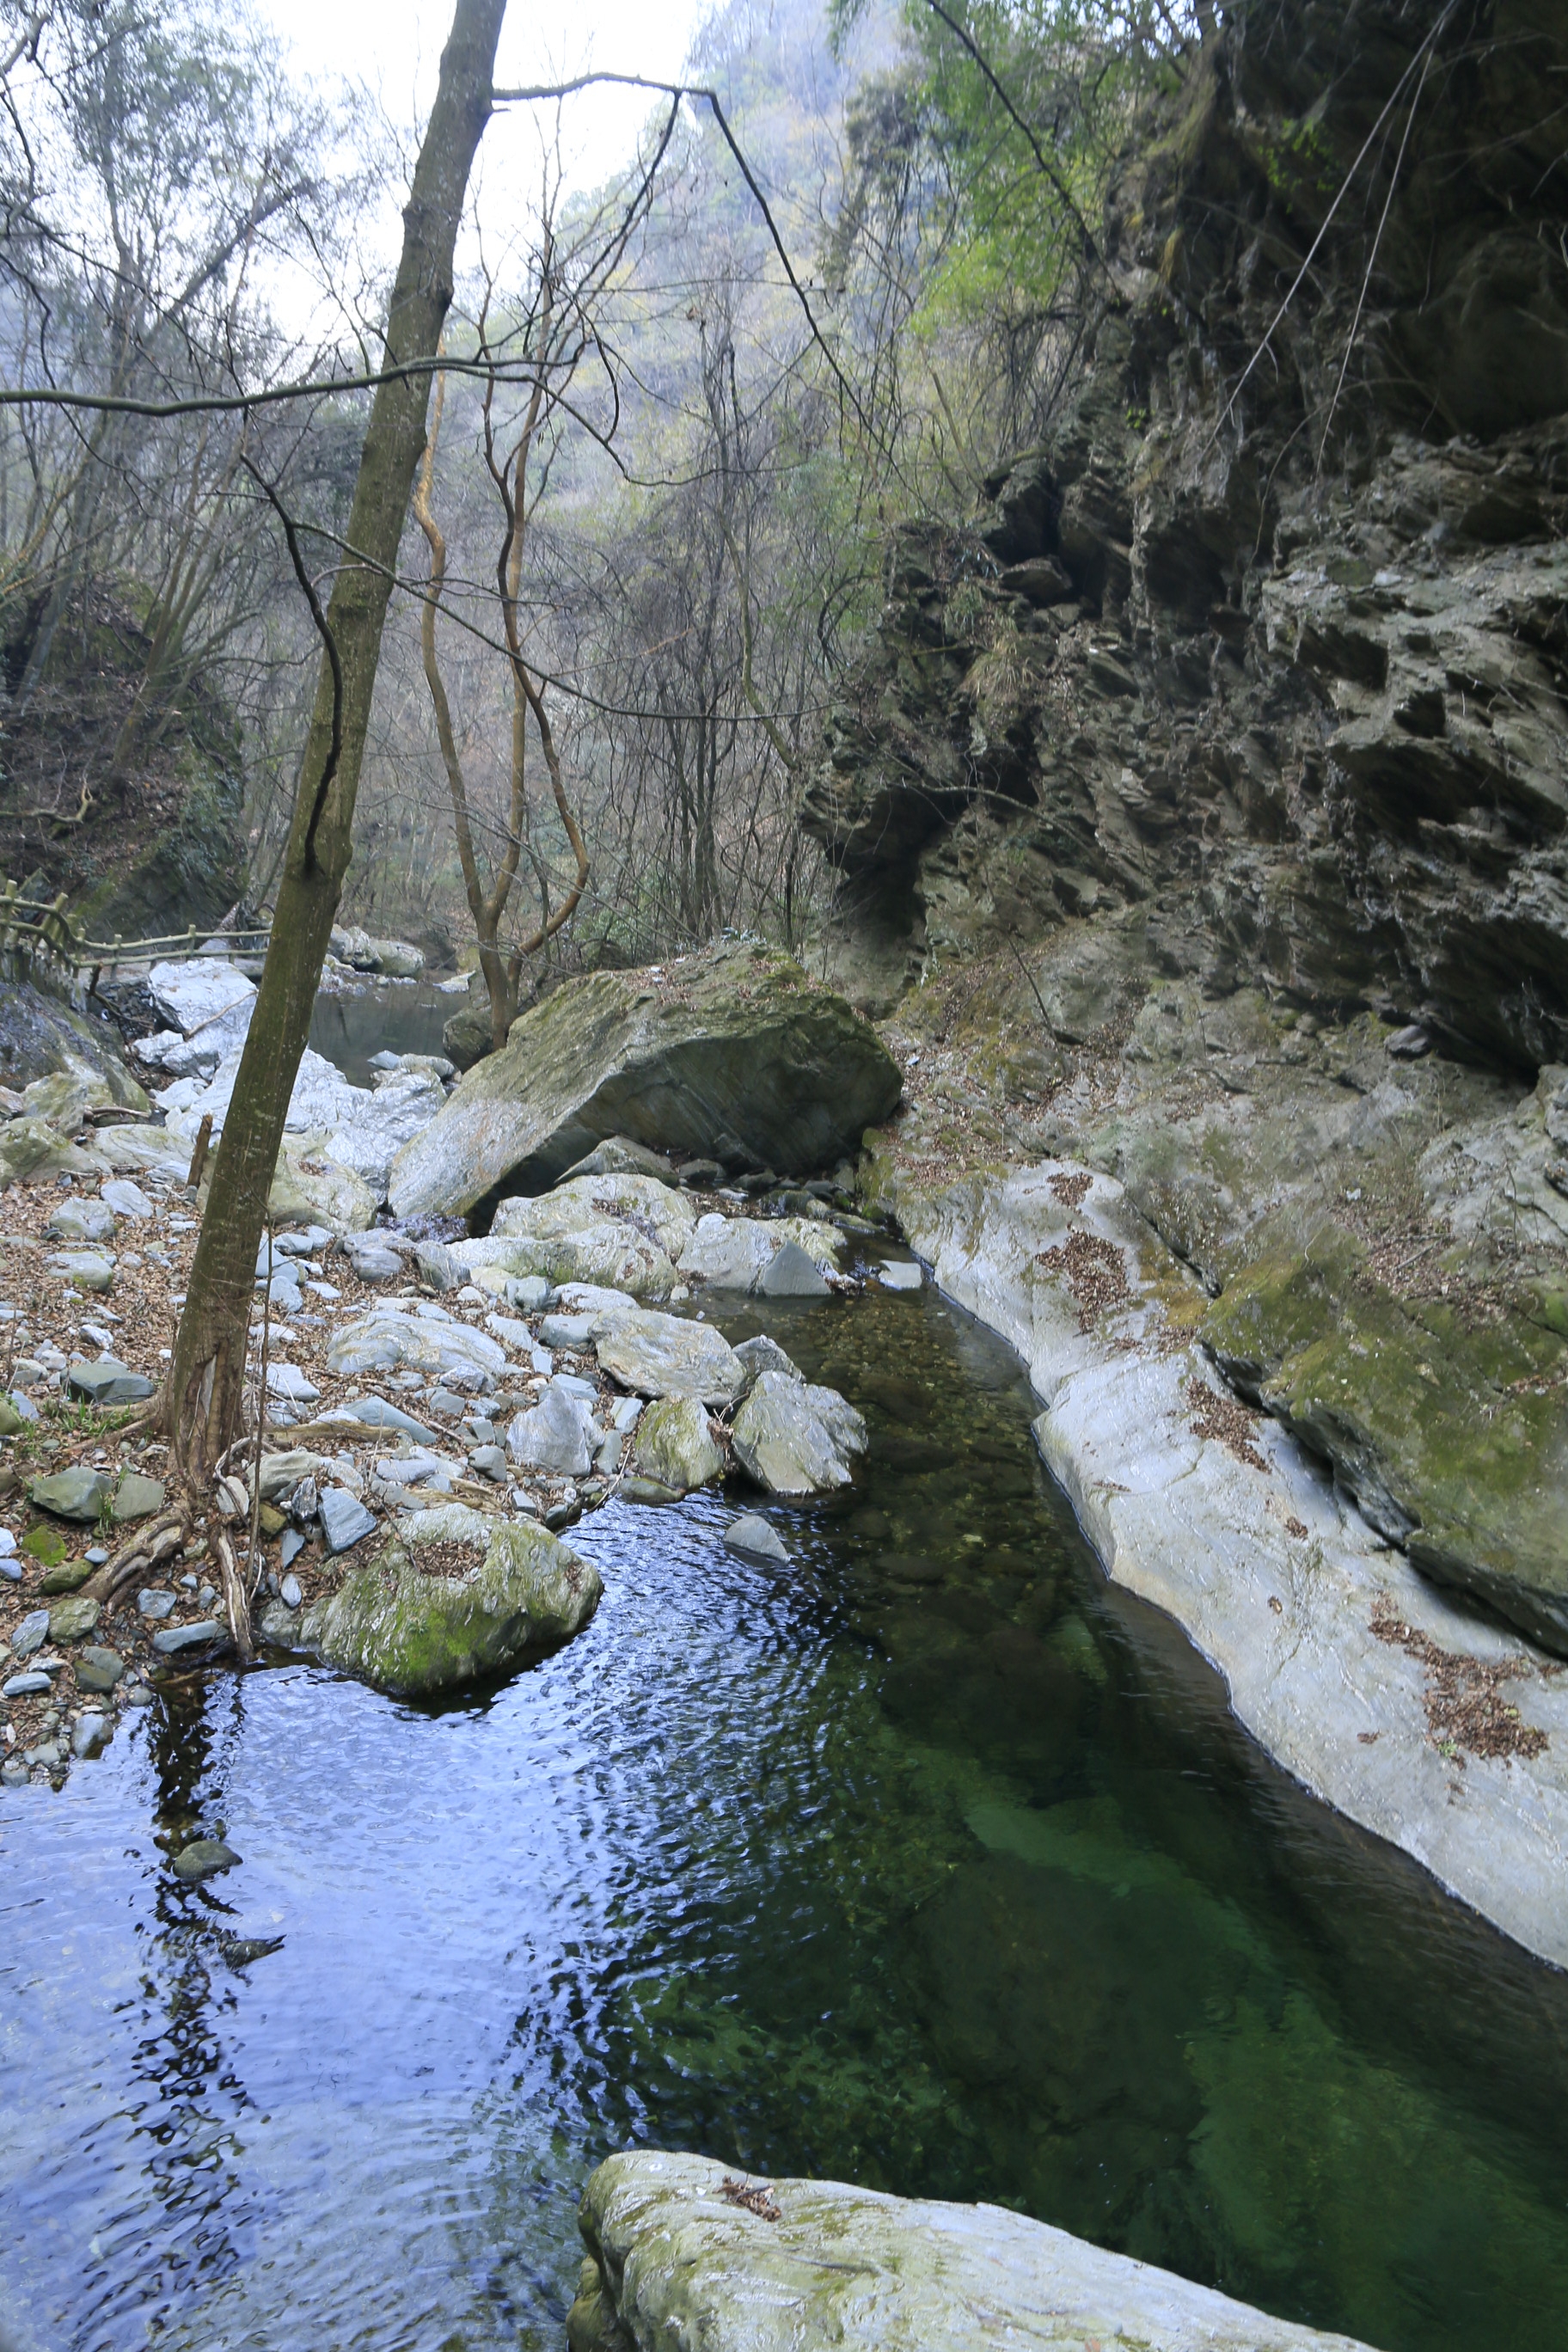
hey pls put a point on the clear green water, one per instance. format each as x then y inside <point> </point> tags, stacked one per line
<point>932,1863</point>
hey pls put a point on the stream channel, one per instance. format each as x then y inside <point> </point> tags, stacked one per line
<point>930,1862</point>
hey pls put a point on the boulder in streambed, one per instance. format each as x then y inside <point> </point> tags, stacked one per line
<point>660,1355</point>
<point>740,1253</point>
<point>674,1445</point>
<point>735,1053</point>
<point>795,1439</point>
<point>680,2252</point>
<point>452,1595</point>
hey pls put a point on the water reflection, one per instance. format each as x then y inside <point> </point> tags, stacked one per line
<point>930,1861</point>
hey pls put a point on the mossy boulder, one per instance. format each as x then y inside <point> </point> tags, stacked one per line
<point>733,1055</point>
<point>450,1596</point>
<point>675,1446</point>
<point>1451,1431</point>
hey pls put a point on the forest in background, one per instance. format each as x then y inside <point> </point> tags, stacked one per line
<point>683,415</point>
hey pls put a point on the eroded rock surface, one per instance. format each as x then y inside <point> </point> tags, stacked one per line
<point>682,2252</point>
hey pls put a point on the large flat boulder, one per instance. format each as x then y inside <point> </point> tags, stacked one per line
<point>733,1053</point>
<point>680,2253</point>
<point>662,1355</point>
<point>797,1439</point>
<point>453,1595</point>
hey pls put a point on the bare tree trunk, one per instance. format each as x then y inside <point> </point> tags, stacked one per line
<point>202,1402</point>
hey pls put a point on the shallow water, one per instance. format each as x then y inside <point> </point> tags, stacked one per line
<point>930,1862</point>
<point>397,1019</point>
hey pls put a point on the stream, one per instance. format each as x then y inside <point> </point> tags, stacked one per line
<point>930,1862</point>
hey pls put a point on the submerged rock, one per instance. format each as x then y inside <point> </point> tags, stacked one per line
<point>496,1590</point>
<point>795,1439</point>
<point>734,1052</point>
<point>680,2251</point>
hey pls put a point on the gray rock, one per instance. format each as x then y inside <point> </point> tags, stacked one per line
<point>203,1858</point>
<point>176,1638</point>
<point>86,1269</point>
<point>13,1773</point>
<point>619,1156</point>
<point>90,1735</point>
<point>30,1685</point>
<point>31,1634</point>
<point>78,1220</point>
<point>70,1494</point>
<point>288,1381</point>
<point>790,1274</point>
<point>661,1355</point>
<point>742,1043</point>
<point>412,1633</point>
<point>136,1497</point>
<point>752,1536</point>
<point>291,1546</point>
<point>11,1570</point>
<point>674,1445</point>
<point>290,1592</point>
<point>490,1461</point>
<point>764,1355</point>
<point>344,1519</point>
<point>72,1620</point>
<point>155,1604</point>
<point>375,1412</point>
<point>135,1695</point>
<point>795,1439</point>
<point>125,1199</point>
<point>700,1174</point>
<point>574,1332</point>
<point>672,2260</point>
<point>899,1273</point>
<point>108,1382</point>
<point>607,1460</point>
<point>557,1433</point>
<point>98,1669</point>
<point>440,1349</point>
<point>372,1259</point>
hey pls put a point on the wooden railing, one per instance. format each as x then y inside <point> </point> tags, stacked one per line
<point>45,932</point>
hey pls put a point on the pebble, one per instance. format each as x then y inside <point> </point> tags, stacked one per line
<point>30,1634</point>
<point>10,1570</point>
<point>13,1773</point>
<point>135,1695</point>
<point>152,1602</point>
<point>292,1545</point>
<point>25,1685</point>
<point>345,1520</point>
<point>91,1733</point>
<point>98,1669</point>
<point>96,1554</point>
<point>290,1592</point>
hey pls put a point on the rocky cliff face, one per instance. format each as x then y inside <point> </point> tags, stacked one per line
<point>1211,780</point>
<point>1278,661</point>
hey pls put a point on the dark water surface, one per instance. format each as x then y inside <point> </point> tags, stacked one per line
<point>401,1018</point>
<point>930,1862</point>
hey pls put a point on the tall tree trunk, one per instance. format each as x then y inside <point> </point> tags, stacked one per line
<point>202,1402</point>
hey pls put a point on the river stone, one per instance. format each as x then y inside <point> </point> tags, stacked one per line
<point>389,1341</point>
<point>657,1209</point>
<point>735,1043</point>
<point>30,1634</point>
<point>73,1619</point>
<point>70,1576</point>
<point>203,1858</point>
<point>125,1199</point>
<point>899,1273</point>
<point>28,1686</point>
<point>78,1219</point>
<point>344,1519</point>
<point>108,1382</point>
<point>795,1439</point>
<point>660,1355</point>
<point>176,1638</point>
<point>752,1536</point>
<point>372,1259</point>
<point>288,1381</point>
<point>412,1633</point>
<point>87,1269</point>
<point>89,1734</point>
<point>557,1433</point>
<point>376,1413</point>
<point>790,1273</point>
<point>619,1156</point>
<point>98,1669</point>
<point>154,1603</point>
<point>675,1446</point>
<point>735,1252</point>
<point>136,1497</point>
<point>674,2260</point>
<point>70,1494</point>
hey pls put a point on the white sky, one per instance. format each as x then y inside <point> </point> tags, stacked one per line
<point>394,47</point>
